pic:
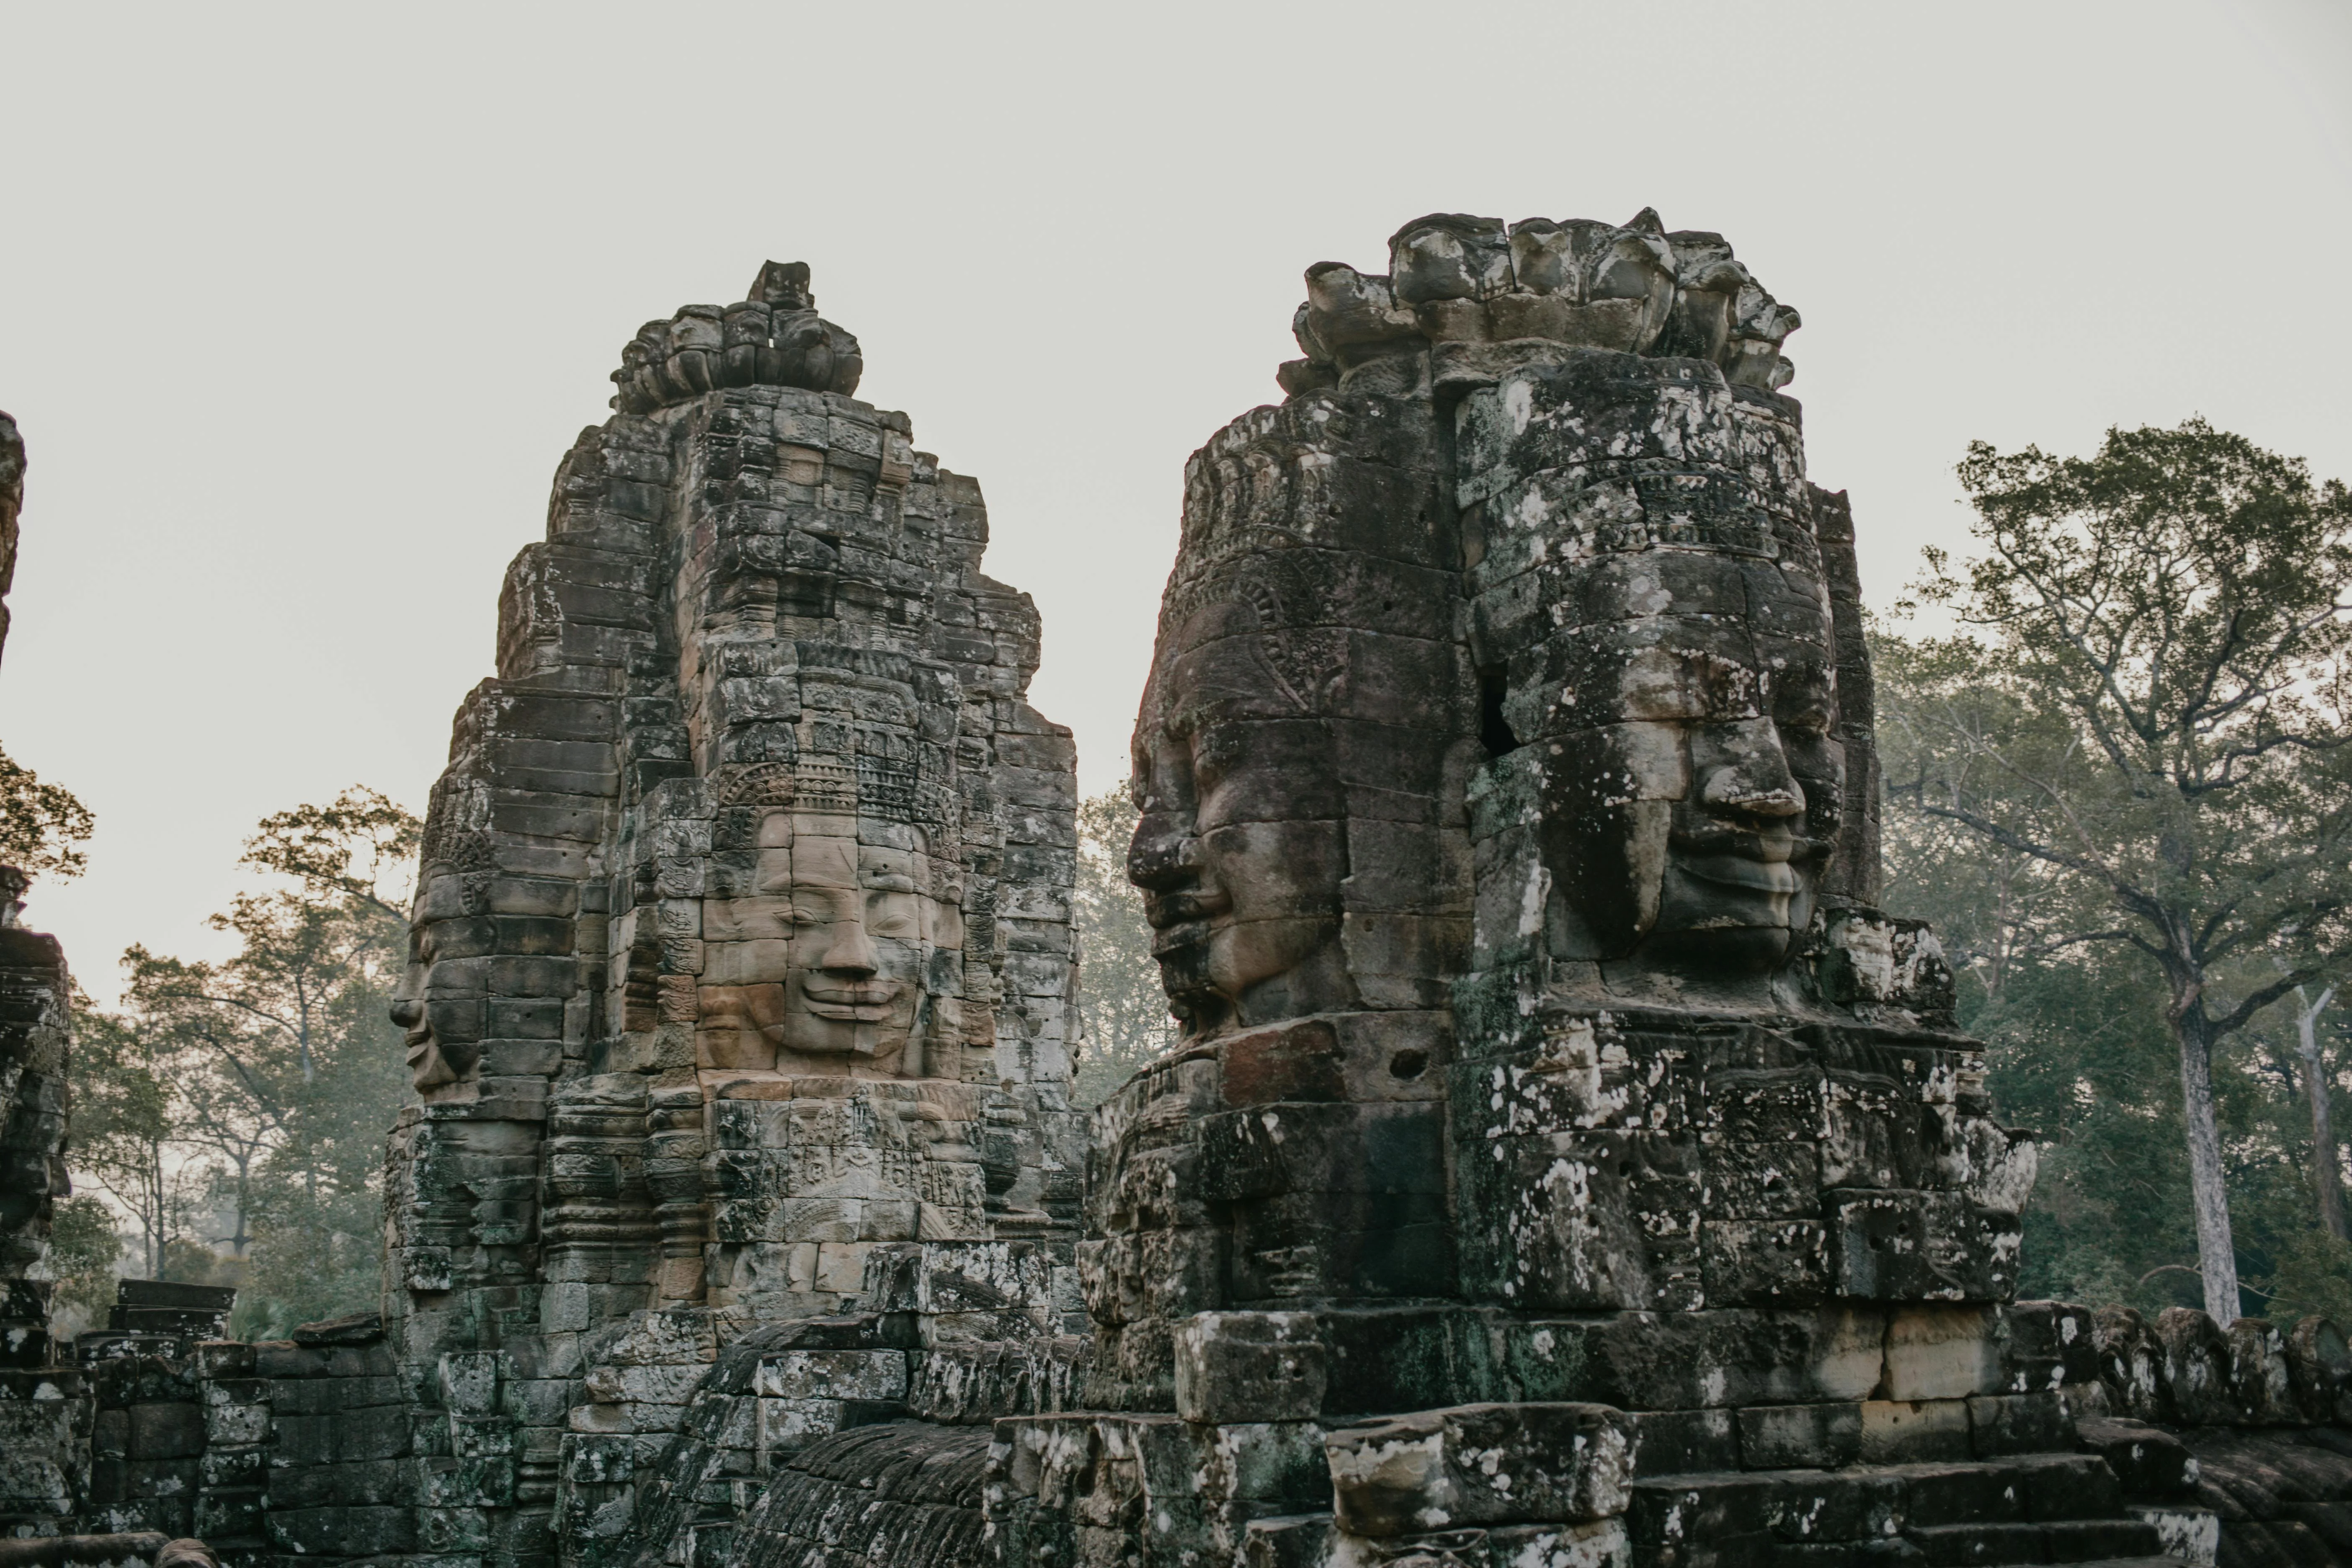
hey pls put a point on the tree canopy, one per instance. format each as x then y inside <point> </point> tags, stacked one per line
<point>42,826</point>
<point>2138,738</point>
<point>238,1106</point>
<point>1124,1010</point>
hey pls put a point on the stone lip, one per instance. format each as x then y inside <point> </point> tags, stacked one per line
<point>351,1329</point>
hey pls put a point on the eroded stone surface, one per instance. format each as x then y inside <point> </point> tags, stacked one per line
<point>742,957</point>
<point>1562,1163</point>
<point>12,502</point>
<point>1552,1108</point>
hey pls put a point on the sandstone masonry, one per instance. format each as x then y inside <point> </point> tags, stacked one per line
<point>1564,1162</point>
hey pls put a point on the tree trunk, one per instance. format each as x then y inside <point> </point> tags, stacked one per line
<point>2217,1255</point>
<point>2325,1172</point>
<point>153,1219</point>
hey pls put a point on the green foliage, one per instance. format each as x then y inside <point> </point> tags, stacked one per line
<point>346,849</point>
<point>86,1253</point>
<point>1125,1010</point>
<point>126,1130</point>
<point>42,826</point>
<point>2312,1273</point>
<point>2124,794</point>
<point>274,1073</point>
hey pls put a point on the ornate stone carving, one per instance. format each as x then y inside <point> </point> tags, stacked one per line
<point>1547,1087</point>
<point>741,942</point>
<point>1658,657</point>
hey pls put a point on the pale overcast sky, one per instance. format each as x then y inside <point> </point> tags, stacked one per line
<point>300,307</point>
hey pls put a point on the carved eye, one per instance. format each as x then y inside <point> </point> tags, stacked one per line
<point>804,916</point>
<point>1812,721</point>
<point>897,925</point>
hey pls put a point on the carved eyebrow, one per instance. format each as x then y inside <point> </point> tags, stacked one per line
<point>891,882</point>
<point>1805,681</point>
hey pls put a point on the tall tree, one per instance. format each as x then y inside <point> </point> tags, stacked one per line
<point>2148,704</point>
<point>2327,1177</point>
<point>358,850</point>
<point>288,1073</point>
<point>126,1130</point>
<point>1123,1009</point>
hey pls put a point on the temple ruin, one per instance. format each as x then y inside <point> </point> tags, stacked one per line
<point>1564,1160</point>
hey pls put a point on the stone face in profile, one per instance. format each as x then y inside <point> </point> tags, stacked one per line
<point>444,994</point>
<point>1506,780</point>
<point>1306,706</point>
<point>1657,642</point>
<point>12,501</point>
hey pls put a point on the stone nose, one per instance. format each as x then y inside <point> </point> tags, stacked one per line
<point>1163,854</point>
<point>1748,774</point>
<point>407,1011</point>
<point>851,952</point>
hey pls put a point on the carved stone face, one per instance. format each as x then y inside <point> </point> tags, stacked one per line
<point>1242,898</point>
<point>830,957</point>
<point>1688,816</point>
<point>1240,846</point>
<point>443,995</point>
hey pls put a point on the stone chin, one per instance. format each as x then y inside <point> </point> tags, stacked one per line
<point>1184,956</point>
<point>1251,971</point>
<point>1726,949</point>
<point>430,1067</point>
<point>1733,913</point>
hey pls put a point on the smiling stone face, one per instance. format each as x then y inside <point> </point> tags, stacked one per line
<point>836,955</point>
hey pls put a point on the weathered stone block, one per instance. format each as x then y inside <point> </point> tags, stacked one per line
<point>2149,1461</point>
<point>1915,1431</point>
<point>834,1374</point>
<point>1487,1463</point>
<point>1250,1366</point>
<point>342,1531</point>
<point>1772,1262</point>
<point>2005,1424</point>
<point>1799,1437</point>
<point>2196,1368</point>
<point>227,1424</point>
<point>1942,1352</point>
<point>1676,1442</point>
<point>229,1515</point>
<point>228,1469</point>
<point>162,1431</point>
<point>360,1482</point>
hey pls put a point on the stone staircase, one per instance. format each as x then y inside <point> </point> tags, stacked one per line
<point>2029,1509</point>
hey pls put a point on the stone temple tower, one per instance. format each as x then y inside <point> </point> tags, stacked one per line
<point>1563,1162</point>
<point>741,948</point>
